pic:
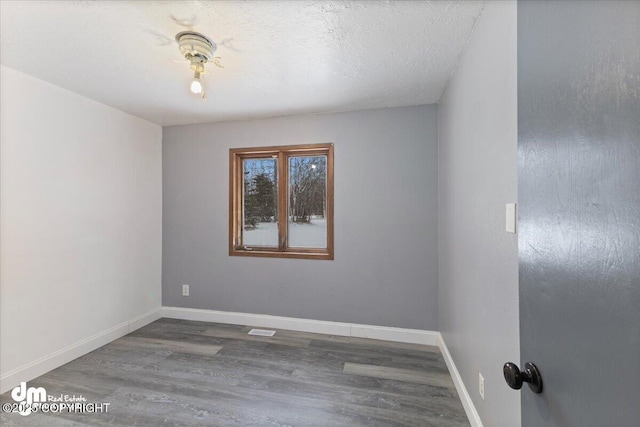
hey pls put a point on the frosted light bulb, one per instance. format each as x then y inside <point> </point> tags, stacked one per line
<point>196,86</point>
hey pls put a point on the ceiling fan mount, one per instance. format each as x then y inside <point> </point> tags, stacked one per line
<point>198,49</point>
<point>193,44</point>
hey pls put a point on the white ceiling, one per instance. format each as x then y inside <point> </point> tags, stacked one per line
<point>280,57</point>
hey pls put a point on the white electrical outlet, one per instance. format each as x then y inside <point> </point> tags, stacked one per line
<point>481,385</point>
<point>185,290</point>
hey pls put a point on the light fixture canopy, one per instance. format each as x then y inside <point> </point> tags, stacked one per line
<point>191,43</point>
<point>198,49</point>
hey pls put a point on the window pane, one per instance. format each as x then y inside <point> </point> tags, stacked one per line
<point>260,202</point>
<point>307,202</point>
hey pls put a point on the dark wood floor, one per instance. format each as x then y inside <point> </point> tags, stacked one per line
<point>183,373</point>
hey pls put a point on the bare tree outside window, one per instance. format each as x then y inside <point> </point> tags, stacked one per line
<point>307,201</point>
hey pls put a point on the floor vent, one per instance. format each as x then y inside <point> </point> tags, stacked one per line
<point>262,332</point>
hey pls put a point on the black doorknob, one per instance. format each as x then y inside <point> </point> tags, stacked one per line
<point>514,377</point>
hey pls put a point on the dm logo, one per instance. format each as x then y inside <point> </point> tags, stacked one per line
<point>29,396</point>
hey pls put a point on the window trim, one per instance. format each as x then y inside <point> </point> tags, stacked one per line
<point>236,179</point>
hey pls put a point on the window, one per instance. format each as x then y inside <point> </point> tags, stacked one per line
<point>281,201</point>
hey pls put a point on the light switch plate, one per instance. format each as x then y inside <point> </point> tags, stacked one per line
<point>511,218</point>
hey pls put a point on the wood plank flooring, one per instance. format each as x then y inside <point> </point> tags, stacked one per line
<point>185,373</point>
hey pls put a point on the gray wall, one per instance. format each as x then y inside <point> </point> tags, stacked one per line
<point>579,178</point>
<point>478,259</point>
<point>385,270</point>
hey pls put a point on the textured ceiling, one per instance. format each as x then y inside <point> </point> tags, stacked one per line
<point>280,57</point>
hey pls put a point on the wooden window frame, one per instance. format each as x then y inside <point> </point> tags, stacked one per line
<point>236,180</point>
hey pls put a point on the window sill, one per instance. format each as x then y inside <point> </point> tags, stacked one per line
<point>281,254</point>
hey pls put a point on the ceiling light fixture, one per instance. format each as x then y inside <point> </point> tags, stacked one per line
<point>198,50</point>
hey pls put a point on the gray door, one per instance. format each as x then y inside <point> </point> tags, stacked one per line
<point>579,210</point>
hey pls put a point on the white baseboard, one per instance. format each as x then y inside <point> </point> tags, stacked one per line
<point>414,336</point>
<point>411,336</point>
<point>467,403</point>
<point>144,320</point>
<point>65,355</point>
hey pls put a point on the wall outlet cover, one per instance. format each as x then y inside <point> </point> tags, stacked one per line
<point>481,385</point>
<point>185,290</point>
